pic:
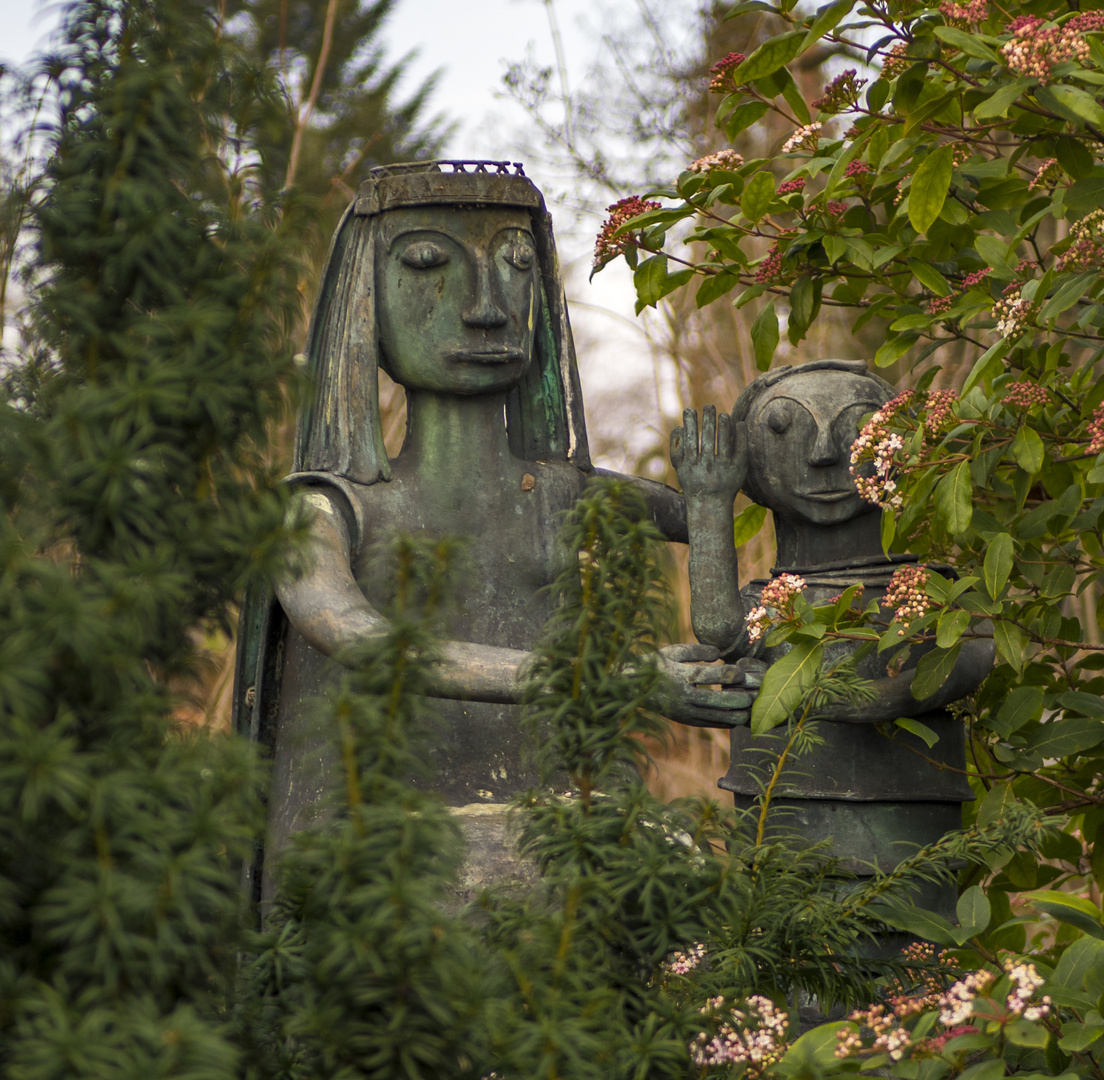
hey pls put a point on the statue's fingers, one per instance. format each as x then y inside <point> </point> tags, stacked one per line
<point>718,699</point>
<point>691,651</point>
<point>709,431</point>
<point>690,423</point>
<point>678,443</point>
<point>712,718</point>
<point>724,437</point>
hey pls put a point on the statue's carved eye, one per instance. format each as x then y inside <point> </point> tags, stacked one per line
<point>779,417</point>
<point>424,255</point>
<point>520,254</point>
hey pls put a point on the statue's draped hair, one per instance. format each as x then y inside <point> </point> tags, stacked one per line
<point>340,431</point>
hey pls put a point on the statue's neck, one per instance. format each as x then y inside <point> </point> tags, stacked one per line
<point>804,544</point>
<point>455,439</point>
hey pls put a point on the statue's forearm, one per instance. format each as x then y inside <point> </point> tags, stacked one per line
<point>716,608</point>
<point>329,610</point>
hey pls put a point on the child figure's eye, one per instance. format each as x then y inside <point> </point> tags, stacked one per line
<point>424,255</point>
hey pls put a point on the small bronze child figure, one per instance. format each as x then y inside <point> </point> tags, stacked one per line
<point>787,444</point>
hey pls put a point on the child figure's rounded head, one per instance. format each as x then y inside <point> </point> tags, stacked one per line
<point>801,422</point>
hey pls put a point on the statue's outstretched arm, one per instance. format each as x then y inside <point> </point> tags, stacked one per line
<point>327,607</point>
<point>711,472</point>
<point>893,696</point>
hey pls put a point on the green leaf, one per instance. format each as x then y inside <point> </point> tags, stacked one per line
<point>929,188</point>
<point>793,96</point>
<point>966,43</point>
<point>1061,738</point>
<point>894,349</point>
<point>951,626</point>
<point>973,911</point>
<point>953,499</point>
<point>1067,908</point>
<point>764,336</point>
<point>769,57</point>
<point>914,727</point>
<point>1075,105</point>
<point>998,806</point>
<point>743,117</point>
<point>1070,292</point>
<point>1011,643</point>
<point>1079,702</point>
<point>1077,1036</point>
<point>998,564</point>
<point>649,279</point>
<point>715,286</point>
<point>1021,705</point>
<point>998,103</point>
<point>993,250</point>
<point>1028,450</point>
<point>929,277</point>
<point>784,685</point>
<point>924,924</point>
<point>1086,195</point>
<point>748,523</point>
<point>813,1052</point>
<point>758,195</point>
<point>933,670</point>
<point>827,19</point>
<point>1026,1033</point>
<point>928,110</point>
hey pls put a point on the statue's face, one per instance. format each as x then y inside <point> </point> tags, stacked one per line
<point>799,442</point>
<point>456,296</point>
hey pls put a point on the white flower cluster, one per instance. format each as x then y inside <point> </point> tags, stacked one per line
<point>1014,314</point>
<point>722,159</point>
<point>683,961</point>
<point>777,596</point>
<point>1025,981</point>
<point>957,1004</point>
<point>880,488</point>
<point>756,1038</point>
<point>807,137</point>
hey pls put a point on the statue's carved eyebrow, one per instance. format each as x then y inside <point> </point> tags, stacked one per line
<point>437,230</point>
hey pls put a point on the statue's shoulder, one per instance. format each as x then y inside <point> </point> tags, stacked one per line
<point>349,498</point>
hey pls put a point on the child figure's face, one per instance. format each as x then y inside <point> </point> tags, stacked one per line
<point>799,443</point>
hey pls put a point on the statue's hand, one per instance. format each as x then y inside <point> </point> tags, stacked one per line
<point>687,695</point>
<point>715,465</point>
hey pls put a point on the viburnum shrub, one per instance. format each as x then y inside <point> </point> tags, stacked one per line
<point>944,187</point>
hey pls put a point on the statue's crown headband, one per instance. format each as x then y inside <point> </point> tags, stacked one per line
<point>447,183</point>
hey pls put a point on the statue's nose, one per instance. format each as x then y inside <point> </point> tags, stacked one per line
<point>824,450</point>
<point>487,309</point>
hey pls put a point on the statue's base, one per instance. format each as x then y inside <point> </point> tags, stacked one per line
<point>491,857</point>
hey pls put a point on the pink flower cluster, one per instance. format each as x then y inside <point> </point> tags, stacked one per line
<point>755,1039</point>
<point>1049,174</point>
<point>970,14</point>
<point>1036,47</point>
<point>1024,394</point>
<point>608,244</point>
<point>777,597</point>
<point>805,138</point>
<point>770,269</point>
<point>788,187</point>
<point>937,305</point>
<point>722,159</point>
<point>836,207</point>
<point>1086,252</point>
<point>841,93</point>
<point>976,278</point>
<point>906,595</point>
<point>939,408</point>
<point>683,961</point>
<point>1096,431</point>
<point>896,61</point>
<point>721,73</point>
<point>856,169</point>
